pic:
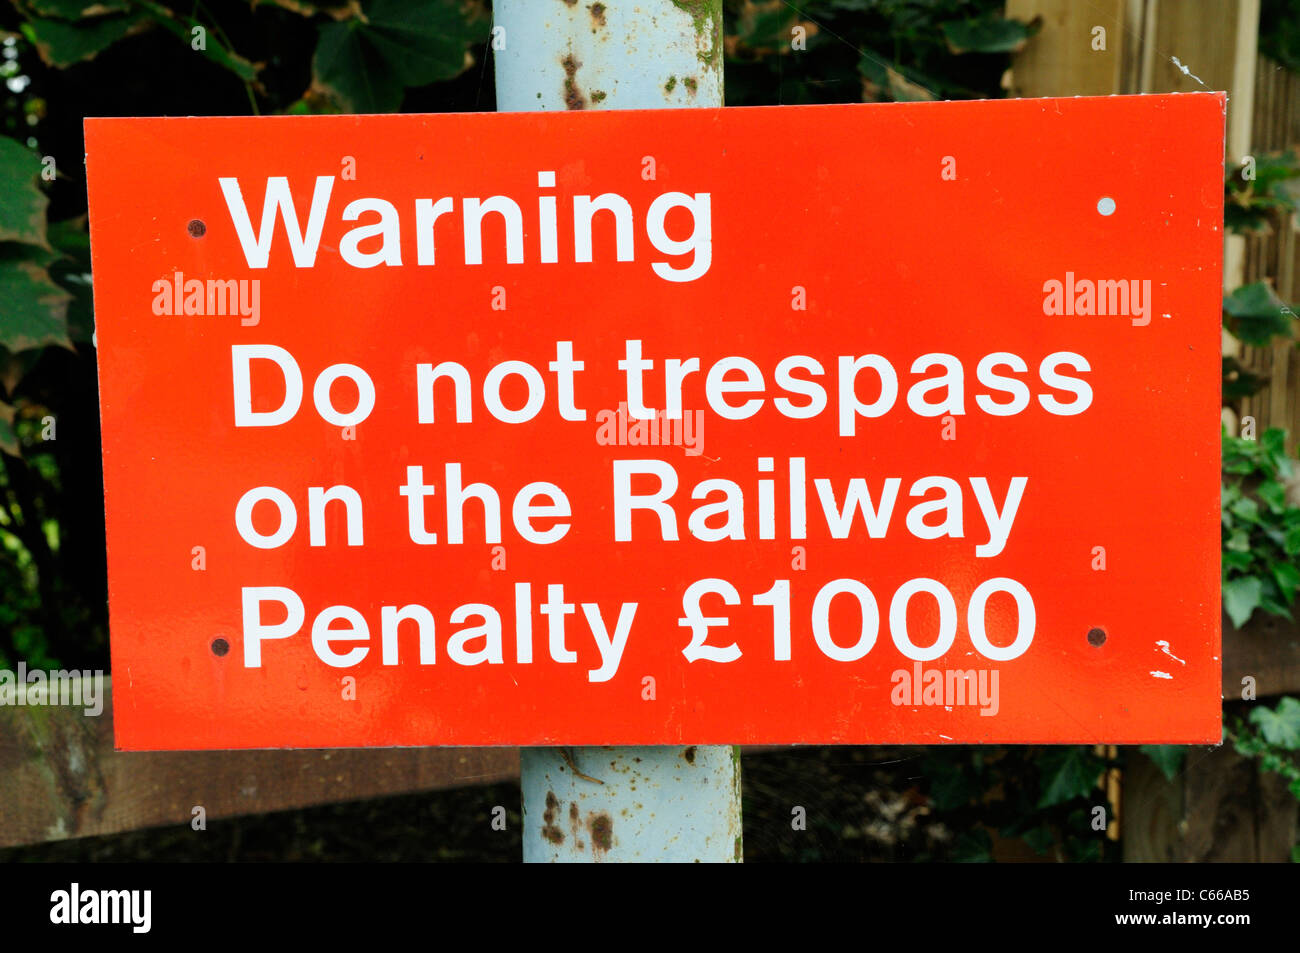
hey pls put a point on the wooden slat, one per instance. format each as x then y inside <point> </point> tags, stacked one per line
<point>60,777</point>
<point>1220,807</point>
<point>1060,60</point>
<point>1273,256</point>
<point>1267,650</point>
<point>1209,38</point>
<point>1214,41</point>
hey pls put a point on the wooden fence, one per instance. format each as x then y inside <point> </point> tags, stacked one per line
<point>1274,256</point>
<point>60,777</point>
<point>1219,807</point>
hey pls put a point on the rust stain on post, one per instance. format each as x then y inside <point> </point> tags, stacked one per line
<point>602,832</point>
<point>572,95</point>
<point>549,830</point>
<point>630,55</point>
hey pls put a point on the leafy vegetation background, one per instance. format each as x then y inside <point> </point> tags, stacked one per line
<point>63,60</point>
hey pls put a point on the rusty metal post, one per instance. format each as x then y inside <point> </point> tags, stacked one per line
<point>666,803</point>
<point>655,804</point>
<point>620,54</point>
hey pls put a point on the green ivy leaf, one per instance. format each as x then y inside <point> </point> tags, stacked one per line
<point>1274,169</point>
<point>973,847</point>
<point>312,103</point>
<point>1246,509</point>
<point>1237,218</point>
<point>1040,838</point>
<point>8,436</point>
<point>335,8</point>
<point>22,213</point>
<point>1287,578</point>
<point>1280,726</point>
<point>1254,314</point>
<point>1236,560</point>
<point>75,9</point>
<point>988,33</point>
<point>350,73</point>
<point>1168,758</point>
<point>365,63</point>
<point>182,27</point>
<point>1241,597</point>
<point>62,43</point>
<point>1273,448</point>
<point>1071,772</point>
<point>950,788</point>
<point>765,28</point>
<point>1274,441</point>
<point>71,272</point>
<point>1273,494</point>
<point>35,308</point>
<point>1239,382</point>
<point>1081,851</point>
<point>1270,599</point>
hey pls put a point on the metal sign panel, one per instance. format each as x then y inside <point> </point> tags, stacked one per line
<point>811,424</point>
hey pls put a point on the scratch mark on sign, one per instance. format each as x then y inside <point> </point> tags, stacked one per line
<point>1161,675</point>
<point>1187,72</point>
<point>1164,647</point>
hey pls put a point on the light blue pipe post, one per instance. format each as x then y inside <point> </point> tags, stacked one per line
<point>620,54</point>
<point>665,803</point>
<point>657,804</point>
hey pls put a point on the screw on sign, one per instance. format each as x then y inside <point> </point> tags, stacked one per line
<point>830,567</point>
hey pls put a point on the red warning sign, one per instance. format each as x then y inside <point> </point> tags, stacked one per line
<point>812,424</point>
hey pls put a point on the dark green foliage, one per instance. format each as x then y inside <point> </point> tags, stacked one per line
<point>1272,735</point>
<point>1256,315</point>
<point>1258,189</point>
<point>1261,530</point>
<point>1279,31</point>
<point>869,50</point>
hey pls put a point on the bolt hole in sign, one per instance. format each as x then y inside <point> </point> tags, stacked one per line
<point>813,424</point>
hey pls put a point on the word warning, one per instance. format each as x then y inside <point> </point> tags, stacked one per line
<point>861,424</point>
